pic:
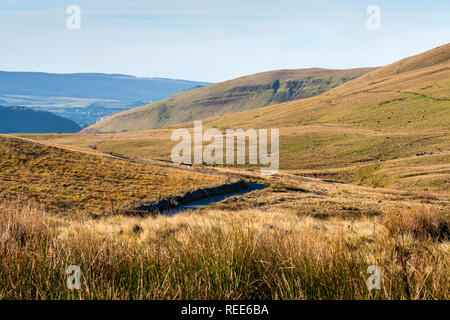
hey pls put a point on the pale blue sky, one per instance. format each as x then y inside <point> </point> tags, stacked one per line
<point>211,40</point>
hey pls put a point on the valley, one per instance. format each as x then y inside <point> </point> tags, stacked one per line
<point>363,181</point>
<point>387,128</point>
<point>85,98</point>
<point>280,242</point>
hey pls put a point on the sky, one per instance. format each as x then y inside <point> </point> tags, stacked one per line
<point>209,40</point>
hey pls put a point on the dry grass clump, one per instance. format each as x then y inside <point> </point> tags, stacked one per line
<point>419,222</point>
<point>412,232</point>
<point>211,254</point>
<point>22,225</point>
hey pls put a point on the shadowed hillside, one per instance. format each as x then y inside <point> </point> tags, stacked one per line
<point>25,120</point>
<point>231,96</point>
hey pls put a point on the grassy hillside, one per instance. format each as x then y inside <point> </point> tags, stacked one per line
<point>401,111</point>
<point>388,128</point>
<point>67,180</point>
<point>25,120</point>
<point>231,96</point>
<point>410,95</point>
<point>299,238</point>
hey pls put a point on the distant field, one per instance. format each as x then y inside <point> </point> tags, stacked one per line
<point>71,181</point>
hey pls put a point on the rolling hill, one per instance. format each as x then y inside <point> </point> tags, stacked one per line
<point>387,128</point>
<point>25,120</point>
<point>245,93</point>
<point>69,180</point>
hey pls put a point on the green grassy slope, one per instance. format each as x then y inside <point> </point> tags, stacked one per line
<point>231,96</point>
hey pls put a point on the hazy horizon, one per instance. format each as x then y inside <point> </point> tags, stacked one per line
<point>214,41</point>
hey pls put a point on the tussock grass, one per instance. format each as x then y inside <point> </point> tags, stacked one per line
<point>418,223</point>
<point>213,254</point>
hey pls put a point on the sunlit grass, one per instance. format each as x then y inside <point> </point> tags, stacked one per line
<point>249,254</point>
<point>71,181</point>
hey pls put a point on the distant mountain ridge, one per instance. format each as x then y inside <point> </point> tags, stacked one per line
<point>236,95</point>
<point>91,85</point>
<point>25,120</point>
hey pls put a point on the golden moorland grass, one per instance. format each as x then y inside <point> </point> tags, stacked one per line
<point>224,254</point>
<point>306,236</point>
<point>300,238</point>
<point>70,180</point>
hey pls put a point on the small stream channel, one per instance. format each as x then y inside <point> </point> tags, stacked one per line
<point>195,205</point>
